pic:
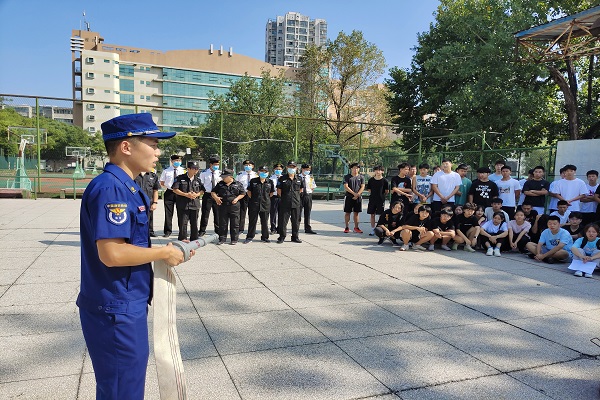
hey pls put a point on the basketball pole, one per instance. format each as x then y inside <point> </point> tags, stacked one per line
<point>38,187</point>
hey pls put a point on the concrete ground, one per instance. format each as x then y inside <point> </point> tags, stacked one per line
<point>336,317</point>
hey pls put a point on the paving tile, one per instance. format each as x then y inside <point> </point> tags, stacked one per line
<point>434,312</point>
<point>320,371</point>
<point>87,389</point>
<point>58,388</point>
<point>586,286</point>
<point>446,284</point>
<point>10,261</point>
<point>241,301</point>
<point>194,340</point>
<point>287,277</point>
<point>10,276</point>
<point>55,273</point>
<point>52,259</point>
<point>487,387</point>
<point>316,295</point>
<point>413,359</point>
<point>40,293</point>
<point>385,289</point>
<point>40,356</point>
<point>505,347</point>
<point>28,323</point>
<point>351,272</point>
<point>347,321</point>
<point>207,378</point>
<point>550,276</point>
<point>261,331</point>
<point>574,380</point>
<point>209,266</point>
<point>564,298</point>
<point>221,282</point>
<point>268,263</point>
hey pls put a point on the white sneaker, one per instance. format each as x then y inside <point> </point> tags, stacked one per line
<point>490,252</point>
<point>372,232</point>
<point>404,247</point>
<point>497,252</point>
<point>444,247</point>
<point>578,273</point>
<point>469,248</point>
<point>431,247</point>
<point>588,275</point>
<point>455,246</point>
<point>418,247</point>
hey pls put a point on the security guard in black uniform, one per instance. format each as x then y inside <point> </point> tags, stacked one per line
<point>148,182</point>
<point>227,194</point>
<point>259,193</point>
<point>289,188</point>
<point>209,177</point>
<point>189,190</point>
<point>244,178</point>
<point>277,172</point>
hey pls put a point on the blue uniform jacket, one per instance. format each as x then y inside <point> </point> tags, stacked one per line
<point>113,206</point>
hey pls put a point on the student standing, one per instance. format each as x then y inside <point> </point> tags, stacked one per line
<point>445,185</point>
<point>509,190</point>
<point>463,192</point>
<point>401,186</point>
<point>588,204</point>
<point>244,178</point>
<point>483,190</point>
<point>571,189</point>
<point>354,184</point>
<point>378,188</point>
<point>536,189</point>
<point>421,185</point>
<point>274,211</point>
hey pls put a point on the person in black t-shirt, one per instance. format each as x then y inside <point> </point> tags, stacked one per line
<point>390,223</point>
<point>416,229</point>
<point>443,229</point>
<point>536,190</point>
<point>401,186</point>
<point>467,228</point>
<point>482,189</point>
<point>378,188</point>
<point>354,184</point>
<point>529,212</point>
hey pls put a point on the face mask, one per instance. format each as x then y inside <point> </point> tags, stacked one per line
<point>278,172</point>
<point>307,172</point>
<point>291,170</point>
<point>177,164</point>
<point>263,174</point>
<point>215,167</point>
<point>248,168</point>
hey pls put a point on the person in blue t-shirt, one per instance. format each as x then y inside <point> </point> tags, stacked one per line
<point>554,244</point>
<point>587,248</point>
<point>116,256</point>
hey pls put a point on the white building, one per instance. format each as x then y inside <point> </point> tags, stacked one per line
<point>287,37</point>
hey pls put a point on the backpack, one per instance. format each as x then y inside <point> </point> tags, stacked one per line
<point>585,240</point>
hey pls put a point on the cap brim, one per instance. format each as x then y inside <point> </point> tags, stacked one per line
<point>161,135</point>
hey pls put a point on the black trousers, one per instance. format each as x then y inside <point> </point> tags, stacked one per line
<point>169,199</point>
<point>183,218</point>
<point>510,211</point>
<point>229,218</point>
<point>151,221</point>
<point>306,207</point>
<point>254,214</point>
<point>243,211</point>
<point>380,233</point>
<point>208,204</point>
<point>284,218</point>
<point>274,213</point>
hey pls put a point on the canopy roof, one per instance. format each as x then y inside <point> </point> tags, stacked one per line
<point>568,37</point>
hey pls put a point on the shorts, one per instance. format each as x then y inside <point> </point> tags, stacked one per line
<point>375,208</point>
<point>568,259</point>
<point>351,205</point>
<point>415,236</point>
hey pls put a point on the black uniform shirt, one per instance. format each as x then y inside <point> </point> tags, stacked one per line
<point>228,193</point>
<point>148,183</point>
<point>391,220</point>
<point>187,185</point>
<point>290,191</point>
<point>261,194</point>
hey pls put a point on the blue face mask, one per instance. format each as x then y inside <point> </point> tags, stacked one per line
<point>248,168</point>
<point>177,164</point>
<point>306,172</point>
<point>263,174</point>
<point>291,170</point>
<point>215,167</point>
<point>278,172</point>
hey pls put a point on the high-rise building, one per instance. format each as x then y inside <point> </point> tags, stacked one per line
<point>112,80</point>
<point>286,38</point>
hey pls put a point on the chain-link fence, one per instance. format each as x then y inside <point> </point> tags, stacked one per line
<point>265,139</point>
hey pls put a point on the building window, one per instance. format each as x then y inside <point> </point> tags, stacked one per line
<point>141,82</point>
<point>91,106</point>
<point>92,129</point>
<point>89,60</point>
<point>106,60</point>
<point>90,90</point>
<point>106,90</point>
<point>142,97</point>
<point>126,85</point>
<point>106,105</point>
<point>89,75</point>
<point>107,75</point>
<point>148,98</point>
<point>91,117</point>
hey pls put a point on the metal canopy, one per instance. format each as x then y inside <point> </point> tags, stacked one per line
<point>568,37</point>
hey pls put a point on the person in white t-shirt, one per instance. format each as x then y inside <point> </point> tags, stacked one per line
<point>509,191</point>
<point>445,184</point>
<point>571,189</point>
<point>553,192</point>
<point>588,204</point>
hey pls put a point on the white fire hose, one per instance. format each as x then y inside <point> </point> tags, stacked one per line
<point>171,379</point>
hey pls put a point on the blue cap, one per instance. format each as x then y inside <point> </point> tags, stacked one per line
<point>132,125</point>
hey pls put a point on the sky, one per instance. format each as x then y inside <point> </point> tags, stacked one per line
<point>35,58</point>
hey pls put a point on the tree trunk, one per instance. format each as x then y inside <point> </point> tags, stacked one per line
<point>588,106</point>
<point>570,101</point>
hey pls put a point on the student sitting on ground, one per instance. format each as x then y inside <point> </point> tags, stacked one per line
<point>562,213</point>
<point>390,223</point>
<point>443,230</point>
<point>518,232</point>
<point>587,248</point>
<point>496,207</point>
<point>416,229</point>
<point>493,233</point>
<point>467,228</point>
<point>480,214</point>
<point>554,244</point>
<point>574,226</point>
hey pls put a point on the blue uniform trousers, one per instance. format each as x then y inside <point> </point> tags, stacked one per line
<point>118,348</point>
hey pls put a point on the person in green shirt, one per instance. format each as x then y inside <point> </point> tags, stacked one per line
<point>460,198</point>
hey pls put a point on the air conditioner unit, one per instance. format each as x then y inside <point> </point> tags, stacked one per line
<point>90,90</point>
<point>91,106</point>
<point>89,60</point>
<point>91,118</point>
<point>92,129</point>
<point>89,75</point>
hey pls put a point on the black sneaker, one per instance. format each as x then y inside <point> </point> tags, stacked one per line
<point>233,242</point>
<point>152,234</point>
<point>265,240</point>
<point>550,260</point>
<point>531,255</point>
<point>280,240</point>
<point>381,240</point>
<point>296,240</point>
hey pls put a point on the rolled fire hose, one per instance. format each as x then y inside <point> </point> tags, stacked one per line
<point>171,379</point>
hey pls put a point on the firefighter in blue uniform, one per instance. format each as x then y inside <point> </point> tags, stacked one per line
<point>116,256</point>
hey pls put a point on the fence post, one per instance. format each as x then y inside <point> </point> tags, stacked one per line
<point>37,115</point>
<point>360,144</point>
<point>482,149</point>
<point>74,190</point>
<point>328,191</point>
<point>221,138</point>
<point>420,158</point>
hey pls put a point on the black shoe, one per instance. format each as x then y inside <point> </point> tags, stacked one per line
<point>233,242</point>
<point>221,242</point>
<point>531,255</point>
<point>152,234</point>
<point>265,240</point>
<point>296,240</point>
<point>381,240</point>
<point>280,240</point>
<point>166,235</point>
<point>247,241</point>
<point>311,232</point>
<point>394,241</point>
<point>550,260</point>
<point>200,234</point>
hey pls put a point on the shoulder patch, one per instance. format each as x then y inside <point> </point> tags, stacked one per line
<point>117,212</point>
